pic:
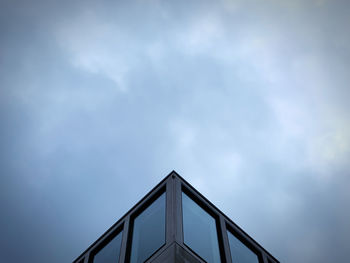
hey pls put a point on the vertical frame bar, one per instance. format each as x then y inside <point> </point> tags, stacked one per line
<point>169,219</point>
<point>225,242</point>
<point>124,239</point>
<point>264,258</point>
<point>178,211</point>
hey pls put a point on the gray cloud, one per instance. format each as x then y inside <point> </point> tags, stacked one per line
<point>246,101</point>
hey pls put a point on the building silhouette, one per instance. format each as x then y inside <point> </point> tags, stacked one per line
<point>175,223</point>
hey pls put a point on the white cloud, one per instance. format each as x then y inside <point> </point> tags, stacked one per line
<point>97,46</point>
<point>329,149</point>
<point>203,35</point>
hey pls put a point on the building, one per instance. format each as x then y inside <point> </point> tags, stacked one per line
<point>175,223</point>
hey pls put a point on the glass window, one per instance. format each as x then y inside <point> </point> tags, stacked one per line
<point>149,231</point>
<point>240,253</point>
<point>200,231</point>
<point>110,252</point>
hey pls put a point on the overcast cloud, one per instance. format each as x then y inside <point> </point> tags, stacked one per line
<point>247,100</point>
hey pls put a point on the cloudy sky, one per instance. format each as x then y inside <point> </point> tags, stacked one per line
<point>248,100</point>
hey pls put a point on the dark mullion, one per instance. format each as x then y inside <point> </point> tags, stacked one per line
<point>124,243</point>
<point>264,258</point>
<point>225,241</point>
<point>169,218</point>
<point>220,235</point>
<point>178,212</point>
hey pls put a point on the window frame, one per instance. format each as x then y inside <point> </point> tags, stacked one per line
<point>138,211</point>
<point>108,238</point>
<point>202,203</point>
<point>250,245</point>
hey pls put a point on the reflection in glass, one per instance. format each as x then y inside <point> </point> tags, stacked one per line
<point>149,231</point>
<point>240,253</point>
<point>110,252</point>
<point>200,231</point>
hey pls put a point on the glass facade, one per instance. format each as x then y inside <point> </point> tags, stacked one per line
<point>174,223</point>
<point>199,230</point>
<point>110,252</point>
<point>149,231</point>
<point>240,253</point>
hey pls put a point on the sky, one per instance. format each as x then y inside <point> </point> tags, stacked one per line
<point>247,100</point>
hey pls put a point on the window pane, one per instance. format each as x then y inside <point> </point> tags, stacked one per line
<point>240,253</point>
<point>149,231</point>
<point>110,252</point>
<point>200,231</point>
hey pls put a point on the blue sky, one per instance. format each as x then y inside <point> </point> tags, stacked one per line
<point>248,101</point>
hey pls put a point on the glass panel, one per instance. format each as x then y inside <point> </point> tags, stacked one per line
<point>200,230</point>
<point>240,253</point>
<point>110,252</point>
<point>149,231</point>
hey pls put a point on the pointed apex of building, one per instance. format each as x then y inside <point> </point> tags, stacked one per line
<point>175,223</point>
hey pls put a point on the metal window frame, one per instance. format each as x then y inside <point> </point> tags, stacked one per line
<point>245,242</point>
<point>103,242</point>
<point>173,185</point>
<point>202,204</point>
<point>153,197</point>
